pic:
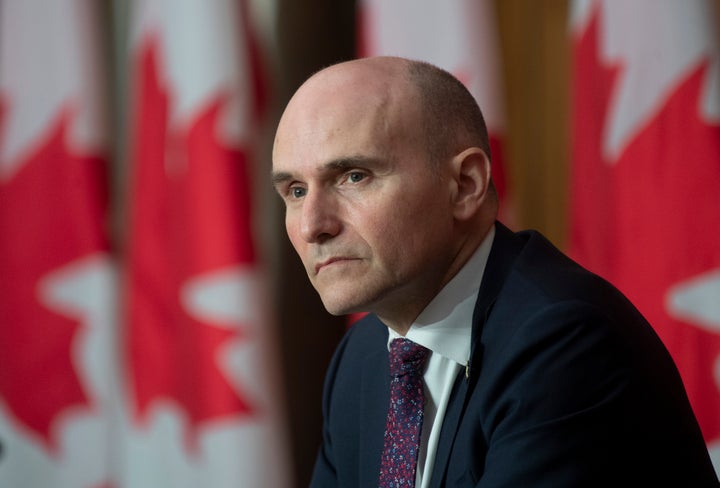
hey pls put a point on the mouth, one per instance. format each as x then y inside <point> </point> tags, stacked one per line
<point>331,261</point>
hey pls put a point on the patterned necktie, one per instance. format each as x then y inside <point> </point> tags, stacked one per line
<point>405,415</point>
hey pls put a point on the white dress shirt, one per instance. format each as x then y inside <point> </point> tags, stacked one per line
<point>445,327</point>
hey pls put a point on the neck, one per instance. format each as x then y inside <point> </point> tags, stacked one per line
<point>400,316</point>
<point>400,322</point>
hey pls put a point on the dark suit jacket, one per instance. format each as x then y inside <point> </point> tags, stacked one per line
<point>568,387</point>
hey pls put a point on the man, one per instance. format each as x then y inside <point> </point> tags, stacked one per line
<point>525,370</point>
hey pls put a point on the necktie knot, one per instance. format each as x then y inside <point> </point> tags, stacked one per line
<point>406,357</point>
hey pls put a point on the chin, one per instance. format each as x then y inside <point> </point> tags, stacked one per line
<point>343,305</point>
<point>334,309</point>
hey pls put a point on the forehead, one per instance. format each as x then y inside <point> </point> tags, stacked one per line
<point>345,114</point>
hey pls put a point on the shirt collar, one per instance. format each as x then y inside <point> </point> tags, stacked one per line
<point>445,325</point>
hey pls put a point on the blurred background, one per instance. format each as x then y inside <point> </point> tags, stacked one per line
<point>156,327</point>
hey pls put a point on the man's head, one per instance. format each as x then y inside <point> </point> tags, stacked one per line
<point>383,166</point>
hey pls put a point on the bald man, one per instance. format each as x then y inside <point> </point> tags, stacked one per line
<point>518,367</point>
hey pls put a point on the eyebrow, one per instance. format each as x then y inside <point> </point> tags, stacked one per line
<point>279,177</point>
<point>336,165</point>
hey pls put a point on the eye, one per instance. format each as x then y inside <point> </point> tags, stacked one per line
<point>297,192</point>
<point>355,176</point>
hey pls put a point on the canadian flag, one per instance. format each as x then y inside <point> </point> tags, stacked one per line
<point>459,36</point>
<point>645,209</point>
<point>56,278</point>
<point>203,397</point>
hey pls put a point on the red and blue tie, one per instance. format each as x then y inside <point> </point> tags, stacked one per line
<point>405,415</point>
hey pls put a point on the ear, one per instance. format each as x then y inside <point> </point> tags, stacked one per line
<point>471,174</point>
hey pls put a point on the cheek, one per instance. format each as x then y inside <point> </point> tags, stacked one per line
<point>423,228</point>
<point>396,237</point>
<point>292,229</point>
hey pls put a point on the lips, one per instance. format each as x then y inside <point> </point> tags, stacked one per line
<point>329,262</point>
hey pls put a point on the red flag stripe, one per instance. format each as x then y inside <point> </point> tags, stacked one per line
<point>645,205</point>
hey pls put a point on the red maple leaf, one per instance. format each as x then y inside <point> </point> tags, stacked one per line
<point>649,219</point>
<point>52,212</point>
<point>191,216</point>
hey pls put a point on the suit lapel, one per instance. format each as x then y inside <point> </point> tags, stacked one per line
<point>506,247</point>
<point>453,414</point>
<point>373,412</point>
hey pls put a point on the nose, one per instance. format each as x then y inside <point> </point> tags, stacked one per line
<point>319,220</point>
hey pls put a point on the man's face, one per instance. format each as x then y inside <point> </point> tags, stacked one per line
<point>370,219</point>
